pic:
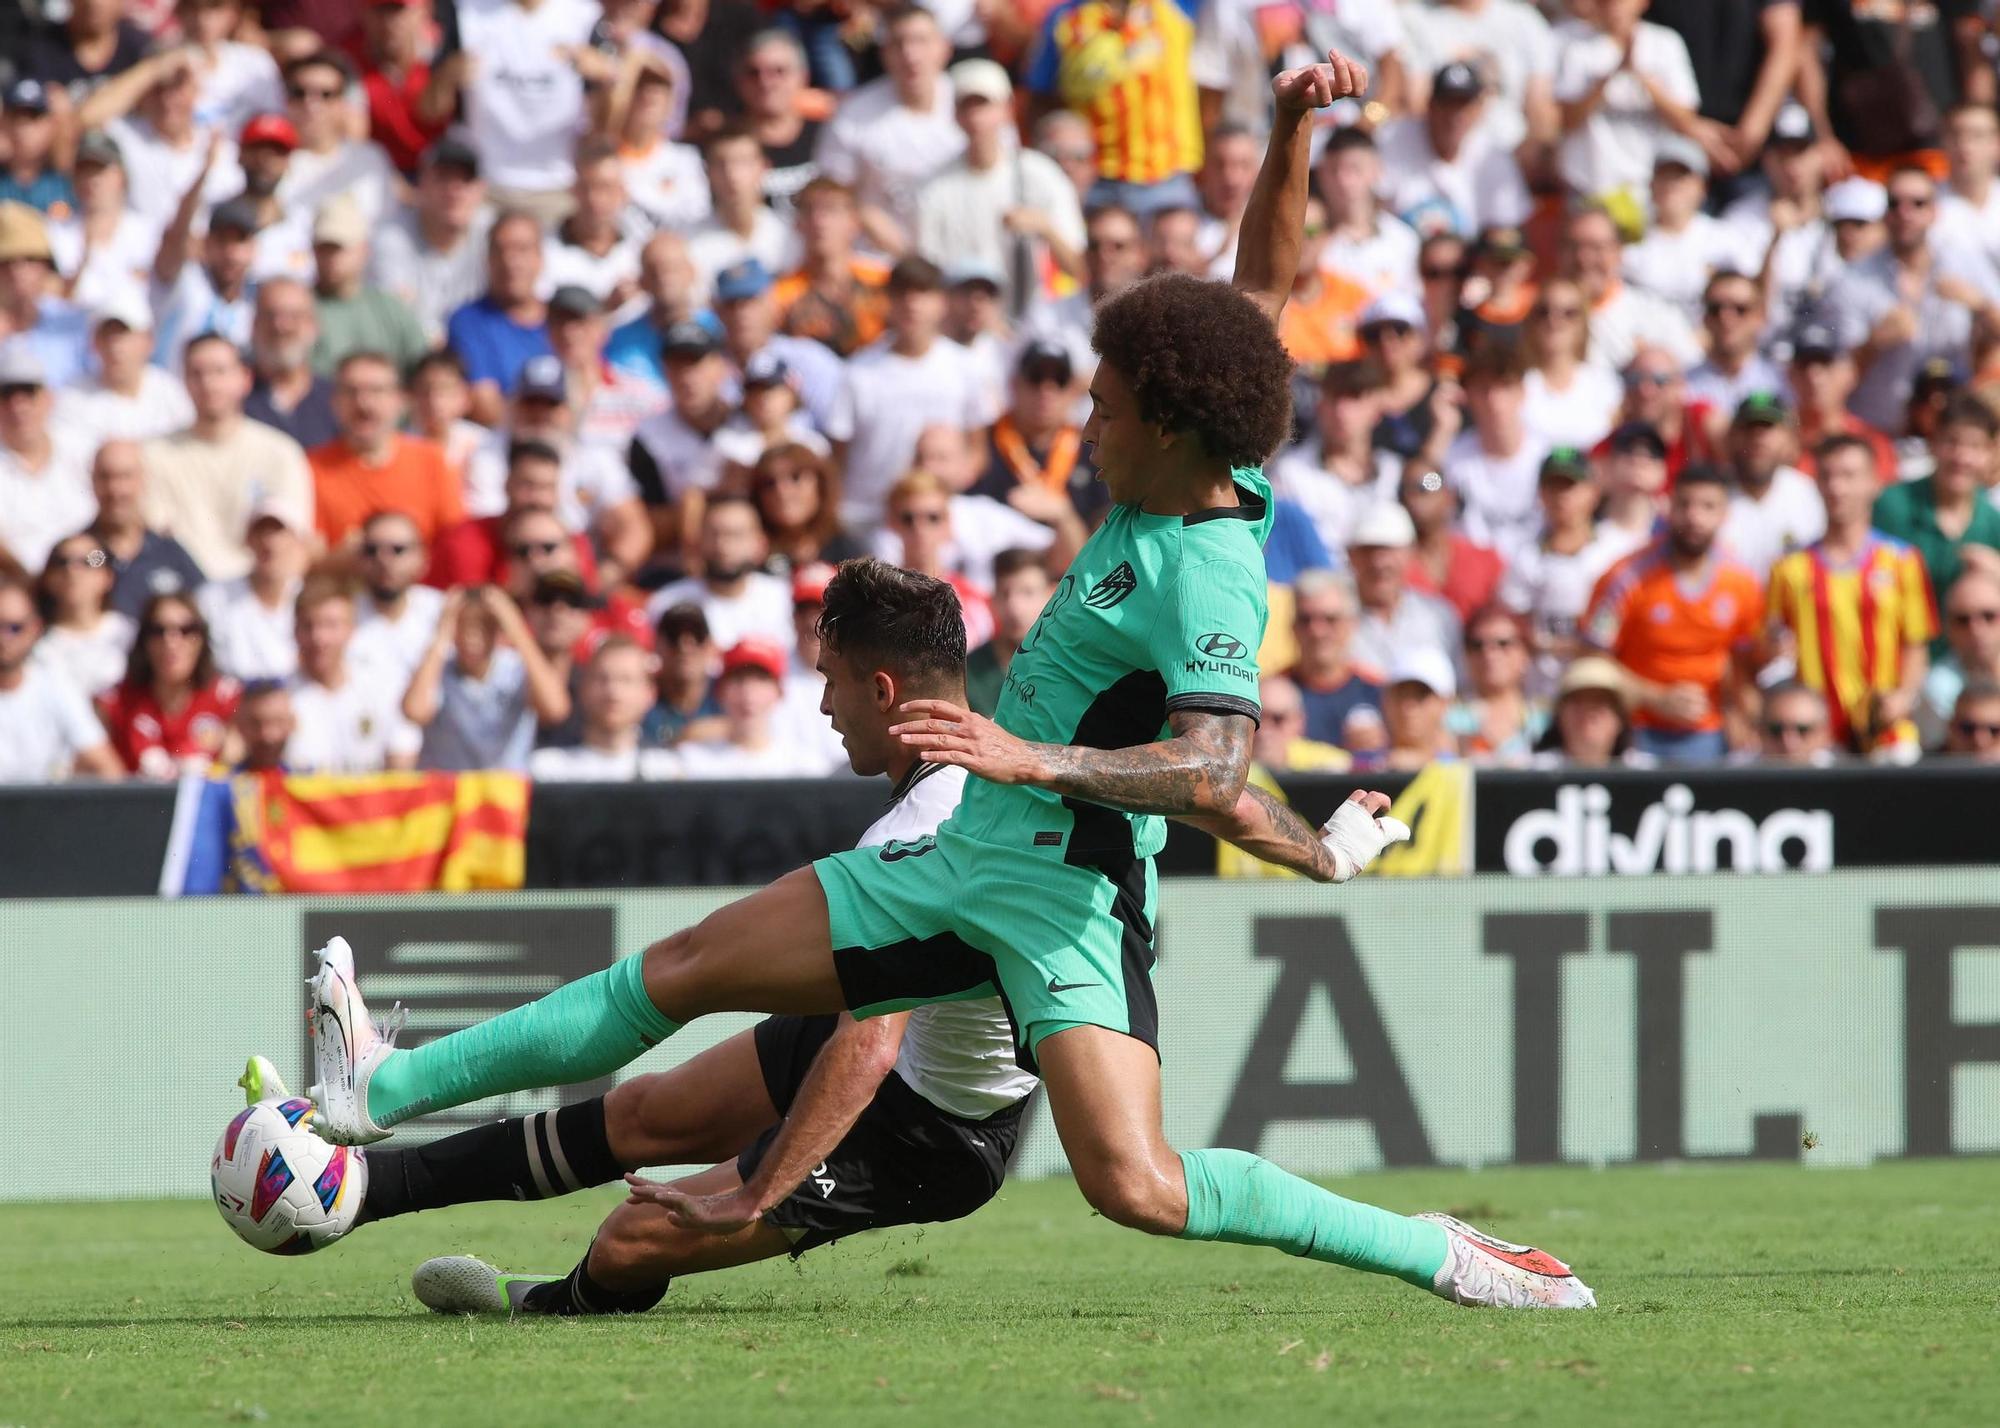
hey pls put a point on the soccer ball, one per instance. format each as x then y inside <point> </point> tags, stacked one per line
<point>279,1186</point>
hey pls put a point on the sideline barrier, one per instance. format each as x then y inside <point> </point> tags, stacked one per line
<point>1473,1022</point>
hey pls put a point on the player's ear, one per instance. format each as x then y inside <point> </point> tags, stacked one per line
<point>887,695</point>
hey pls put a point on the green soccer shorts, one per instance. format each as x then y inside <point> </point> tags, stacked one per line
<point>948,919</point>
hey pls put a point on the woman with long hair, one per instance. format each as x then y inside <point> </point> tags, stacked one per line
<point>797,493</point>
<point>171,712</point>
<point>1499,723</point>
<point>82,636</point>
<point>1571,401</point>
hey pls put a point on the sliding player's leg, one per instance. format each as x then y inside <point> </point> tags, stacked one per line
<point>1104,1093</point>
<point>702,1111</point>
<point>770,951</point>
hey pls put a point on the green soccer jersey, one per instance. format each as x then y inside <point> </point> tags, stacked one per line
<point>1156,614</point>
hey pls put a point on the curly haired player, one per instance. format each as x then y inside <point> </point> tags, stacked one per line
<point>1130,701</point>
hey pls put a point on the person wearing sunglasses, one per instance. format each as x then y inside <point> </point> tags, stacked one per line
<point>328,162</point>
<point>1656,397</point>
<point>1972,649</point>
<point>1793,730</point>
<point>394,615</point>
<point>919,516</point>
<point>47,729</point>
<point>1974,731</point>
<point>85,640</point>
<point>170,714</point>
<point>1732,312</point>
<point>1568,399</point>
<point>1495,720</point>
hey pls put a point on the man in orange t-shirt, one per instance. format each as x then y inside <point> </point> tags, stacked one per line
<point>1684,620</point>
<point>371,466</point>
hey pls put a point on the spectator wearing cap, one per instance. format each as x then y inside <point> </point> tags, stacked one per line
<point>1495,462</point>
<point>919,516</point>
<point>998,205</point>
<point>614,695</point>
<point>1114,257</point>
<point>1636,475</point>
<point>1394,332</point>
<point>685,681</point>
<point>143,562</point>
<point>768,416</point>
<point>264,149</point>
<point>1947,515</point>
<point>1337,471</point>
<point>1567,399</point>
<point>1931,391</point>
<point>30,174</point>
<point>1972,649</point>
<point>430,255</point>
<point>1685,251</point>
<point>354,317</point>
<point>250,624</point>
<point>663,176</point>
<point>394,615</point>
<point>666,277</point>
<point>1417,695</point>
<point>85,641</point>
<point>836,296</point>
<point>48,731</point>
<point>1783,217</point>
<point>739,600</point>
<point>1969,202</point>
<point>749,738</point>
<point>482,686</point>
<point>328,160</point>
<point>1343,703</point>
<point>799,713</point>
<point>1445,561</point>
<point>208,478</point>
<point>610,401</point>
<point>1793,730</point>
<point>392,56</point>
<point>1513,47</point>
<point>286,392</point>
<point>349,720</point>
<point>212,297</point>
<point>915,379</point>
<point>103,249</point>
<point>1820,380</point>
<point>1622,318</point>
<point>596,245</point>
<point>149,110</point>
<point>126,396</point>
<point>1591,724</point>
<point>741,225</point>
<point>1773,506</point>
<point>42,323</point>
<point>1656,396</point>
<point>1368,251</point>
<point>673,456</point>
<point>1893,332</point>
<point>1445,173</point>
<point>1549,581</point>
<point>170,714</point>
<point>1855,210</point>
<point>1732,316</point>
<point>44,469</point>
<point>1855,611</point>
<point>1685,619</point>
<point>1624,85</point>
<point>1036,441</point>
<point>371,466</point>
<point>892,135</point>
<point>93,42</point>
<point>1021,587</point>
<point>747,306</point>
<point>496,333</point>
<point>1391,616</point>
<point>236,80</point>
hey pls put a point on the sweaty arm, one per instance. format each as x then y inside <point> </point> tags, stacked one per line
<point>1265,826</point>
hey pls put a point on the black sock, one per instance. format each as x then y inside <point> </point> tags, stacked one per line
<point>576,1293</point>
<point>533,1158</point>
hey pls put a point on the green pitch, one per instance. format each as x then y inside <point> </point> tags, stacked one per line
<point>1730,1294</point>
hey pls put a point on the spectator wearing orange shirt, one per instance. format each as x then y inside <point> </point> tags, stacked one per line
<point>371,466</point>
<point>836,296</point>
<point>1684,620</point>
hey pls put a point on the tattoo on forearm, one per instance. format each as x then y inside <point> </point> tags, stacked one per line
<point>1287,840</point>
<point>1201,768</point>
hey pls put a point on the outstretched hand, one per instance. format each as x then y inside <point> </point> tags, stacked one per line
<point>722,1214</point>
<point>1315,86</point>
<point>943,733</point>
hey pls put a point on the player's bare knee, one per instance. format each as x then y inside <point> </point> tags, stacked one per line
<point>678,972</point>
<point>1136,1195</point>
<point>623,1254</point>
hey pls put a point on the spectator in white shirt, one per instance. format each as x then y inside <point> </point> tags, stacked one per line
<point>44,472</point>
<point>250,619</point>
<point>103,249</point>
<point>86,641</point>
<point>739,601</point>
<point>213,296</point>
<point>431,254</point>
<point>1623,85</point>
<point>236,80</point>
<point>348,721</point>
<point>1774,507</point>
<point>149,110</point>
<point>1338,472</point>
<point>394,616</point>
<point>1550,580</point>
<point>1372,251</point>
<point>1684,247</point>
<point>1495,463</point>
<point>1443,171</point>
<point>1570,400</point>
<point>673,454</point>
<point>264,148</point>
<point>47,728</point>
<point>741,225</point>
<point>610,401</point>
<point>1732,315</point>
<point>747,307</point>
<point>1394,619</point>
<point>1511,43</point>
<point>614,694</point>
<point>1969,204</point>
<point>895,133</point>
<point>127,398</point>
<point>664,177</point>
<point>750,743</point>
<point>596,247</point>
<point>327,161</point>
<point>1622,319</point>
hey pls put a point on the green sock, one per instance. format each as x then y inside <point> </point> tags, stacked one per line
<point>580,1031</point>
<point>1241,1199</point>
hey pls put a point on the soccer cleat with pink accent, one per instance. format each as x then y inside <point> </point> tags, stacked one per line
<point>347,1047</point>
<point>1483,1271</point>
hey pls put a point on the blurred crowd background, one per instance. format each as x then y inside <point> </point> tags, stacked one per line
<point>395,383</point>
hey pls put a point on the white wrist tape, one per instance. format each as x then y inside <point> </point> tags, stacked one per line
<point>1356,838</point>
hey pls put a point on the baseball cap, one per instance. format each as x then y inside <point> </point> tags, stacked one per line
<point>542,380</point>
<point>1595,672</point>
<point>973,270</point>
<point>687,338</point>
<point>269,129</point>
<point>1763,409</point>
<point>1394,306</point>
<point>759,656</point>
<point>24,233</point>
<point>1638,436</point>
<point>1679,151</point>
<point>124,307</point>
<point>1386,524</point>
<point>238,215</point>
<point>980,79</point>
<point>340,223</point>
<point>1793,125</point>
<point>1457,80</point>
<point>98,147</point>
<point>20,367</point>
<point>1043,356</point>
<point>27,96</point>
<point>766,369</point>
<point>1566,463</point>
<point>1426,665</point>
<point>452,153</point>
<point>1939,374</point>
<point>565,587</point>
<point>570,300</point>
<point>742,280</point>
<point>1818,339</point>
<point>809,583</point>
<point>1856,200</point>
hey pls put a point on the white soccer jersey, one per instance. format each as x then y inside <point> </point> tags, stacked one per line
<point>959,1056</point>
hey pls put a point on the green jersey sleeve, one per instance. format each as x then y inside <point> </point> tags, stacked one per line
<point>1205,641</point>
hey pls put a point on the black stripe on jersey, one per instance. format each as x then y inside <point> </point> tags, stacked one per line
<point>1135,953</point>
<point>1217,704</point>
<point>1250,507</point>
<point>919,771</point>
<point>1129,713</point>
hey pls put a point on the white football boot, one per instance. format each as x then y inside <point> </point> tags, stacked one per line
<point>347,1047</point>
<point>460,1284</point>
<point>1482,1270</point>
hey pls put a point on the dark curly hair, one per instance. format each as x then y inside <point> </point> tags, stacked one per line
<point>1203,359</point>
<point>882,615</point>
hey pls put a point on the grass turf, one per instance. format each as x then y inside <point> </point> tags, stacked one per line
<point>1729,1294</point>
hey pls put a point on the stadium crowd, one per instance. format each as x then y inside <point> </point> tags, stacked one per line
<point>394,383</point>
